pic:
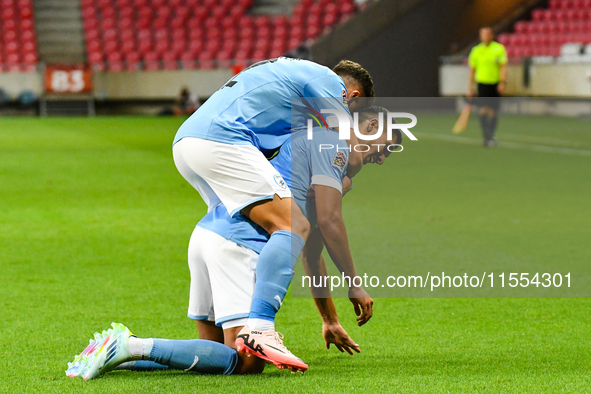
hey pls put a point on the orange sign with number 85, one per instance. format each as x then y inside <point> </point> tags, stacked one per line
<point>68,79</point>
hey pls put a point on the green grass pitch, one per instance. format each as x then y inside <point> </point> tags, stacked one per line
<point>95,220</point>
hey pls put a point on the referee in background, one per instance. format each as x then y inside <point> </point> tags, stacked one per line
<point>488,69</point>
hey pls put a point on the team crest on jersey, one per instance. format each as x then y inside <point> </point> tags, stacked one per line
<point>344,95</point>
<point>279,181</point>
<point>339,161</point>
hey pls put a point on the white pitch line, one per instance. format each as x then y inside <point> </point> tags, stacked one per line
<point>508,144</point>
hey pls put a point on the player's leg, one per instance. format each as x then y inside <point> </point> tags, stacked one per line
<point>204,246</point>
<point>247,364</point>
<point>483,113</point>
<point>117,345</point>
<point>232,269</point>
<point>244,180</point>
<point>283,219</point>
<point>495,105</point>
<point>209,331</point>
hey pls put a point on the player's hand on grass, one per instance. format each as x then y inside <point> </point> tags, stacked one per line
<point>334,333</point>
<point>362,304</point>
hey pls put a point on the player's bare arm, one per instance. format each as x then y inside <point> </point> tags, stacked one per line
<point>334,232</point>
<point>503,79</point>
<point>314,265</point>
<point>471,82</point>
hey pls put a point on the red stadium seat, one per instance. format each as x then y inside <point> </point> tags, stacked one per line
<point>206,60</point>
<point>230,34</point>
<point>125,23</point>
<point>242,55</point>
<point>503,38</point>
<point>152,60</point>
<point>108,12</point>
<point>245,45</point>
<point>329,19</point>
<point>212,46</point>
<point>229,46</point>
<point>179,35</point>
<point>312,32</point>
<point>178,23</point>
<point>11,48</point>
<point>247,33</point>
<point>274,53</point>
<point>296,32</point>
<point>259,55</point>
<point>293,43</point>
<point>30,58</point>
<point>214,31</point>
<point>95,57</point>
<point>213,34</point>
<point>161,47</point>
<point>179,47</point>
<point>161,35</point>
<point>26,24</point>
<point>537,15</point>
<point>223,59</point>
<point>264,33</point>
<point>110,35</point>
<point>195,47</point>
<point>132,57</point>
<point>188,61</point>
<point>29,47</point>
<point>145,46</point>
<point>169,60</point>
<point>262,45</point>
<point>280,20</point>
<point>26,12</point>
<point>196,35</point>
<point>160,23</point>
<point>111,46</point>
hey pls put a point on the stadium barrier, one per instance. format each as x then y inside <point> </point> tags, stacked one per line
<point>135,85</point>
<point>550,80</point>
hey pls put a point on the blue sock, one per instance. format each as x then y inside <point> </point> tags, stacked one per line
<point>196,355</point>
<point>142,365</point>
<point>274,273</point>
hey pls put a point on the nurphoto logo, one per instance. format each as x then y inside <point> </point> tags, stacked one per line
<point>344,125</point>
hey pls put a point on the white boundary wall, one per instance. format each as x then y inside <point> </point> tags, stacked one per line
<point>136,85</point>
<point>550,80</point>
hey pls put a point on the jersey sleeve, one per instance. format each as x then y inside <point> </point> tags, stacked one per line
<point>472,58</point>
<point>503,55</point>
<point>328,164</point>
<point>327,92</point>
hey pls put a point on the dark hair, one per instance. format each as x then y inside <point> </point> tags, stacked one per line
<point>350,69</point>
<point>373,111</point>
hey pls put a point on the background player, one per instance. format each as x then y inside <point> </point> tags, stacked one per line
<point>488,69</point>
<point>221,151</point>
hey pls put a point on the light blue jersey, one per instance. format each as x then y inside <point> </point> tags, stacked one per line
<point>255,106</point>
<point>301,162</point>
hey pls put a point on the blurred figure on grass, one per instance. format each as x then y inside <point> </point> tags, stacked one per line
<point>488,71</point>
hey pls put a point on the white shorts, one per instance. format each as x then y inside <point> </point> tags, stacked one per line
<point>222,279</point>
<point>235,175</point>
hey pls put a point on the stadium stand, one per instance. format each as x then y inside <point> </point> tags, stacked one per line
<point>551,29</point>
<point>18,48</point>
<point>198,34</point>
